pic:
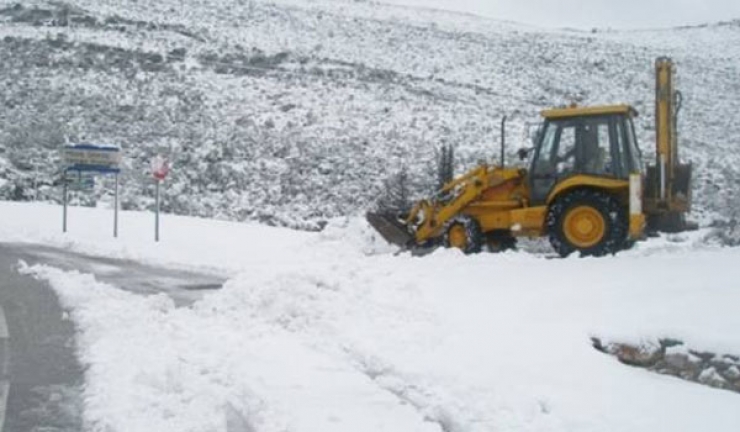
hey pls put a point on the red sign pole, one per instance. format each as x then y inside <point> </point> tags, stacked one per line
<point>160,169</point>
<point>156,215</point>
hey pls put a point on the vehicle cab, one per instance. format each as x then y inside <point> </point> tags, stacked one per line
<point>594,141</point>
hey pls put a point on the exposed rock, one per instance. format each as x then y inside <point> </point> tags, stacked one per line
<point>704,356</point>
<point>731,359</point>
<point>732,373</point>
<point>670,343</point>
<point>677,360</point>
<point>672,357</point>
<point>643,355</point>
<point>719,364</point>
<point>712,378</point>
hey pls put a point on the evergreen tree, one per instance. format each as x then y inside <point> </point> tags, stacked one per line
<point>446,166</point>
<point>396,197</point>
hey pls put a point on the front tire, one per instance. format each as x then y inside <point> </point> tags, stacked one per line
<point>464,233</point>
<point>590,222</point>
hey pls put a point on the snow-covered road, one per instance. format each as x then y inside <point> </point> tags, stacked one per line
<point>333,332</point>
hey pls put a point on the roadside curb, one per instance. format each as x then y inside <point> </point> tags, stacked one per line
<point>4,352</point>
<point>3,324</point>
<point>4,360</point>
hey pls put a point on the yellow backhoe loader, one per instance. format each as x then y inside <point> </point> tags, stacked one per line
<point>586,187</point>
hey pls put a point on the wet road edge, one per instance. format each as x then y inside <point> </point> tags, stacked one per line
<point>4,362</point>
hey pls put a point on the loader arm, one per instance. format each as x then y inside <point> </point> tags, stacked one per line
<point>435,215</point>
<point>427,218</point>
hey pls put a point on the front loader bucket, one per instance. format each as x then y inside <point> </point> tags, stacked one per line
<point>390,228</point>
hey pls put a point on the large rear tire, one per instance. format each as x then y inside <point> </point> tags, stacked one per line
<point>464,233</point>
<point>588,221</point>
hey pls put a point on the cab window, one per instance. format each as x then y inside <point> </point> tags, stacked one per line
<point>594,155</point>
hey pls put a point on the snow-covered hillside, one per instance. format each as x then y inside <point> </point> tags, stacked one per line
<point>331,331</point>
<point>294,111</point>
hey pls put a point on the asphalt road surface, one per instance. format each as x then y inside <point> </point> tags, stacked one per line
<point>40,377</point>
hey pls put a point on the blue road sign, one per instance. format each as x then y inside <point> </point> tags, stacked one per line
<point>92,158</point>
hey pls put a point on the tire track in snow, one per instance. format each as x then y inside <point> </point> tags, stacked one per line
<point>324,332</point>
<point>409,393</point>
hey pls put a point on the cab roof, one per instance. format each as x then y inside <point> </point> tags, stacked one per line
<point>576,111</point>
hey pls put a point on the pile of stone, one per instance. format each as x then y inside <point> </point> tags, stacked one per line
<point>673,357</point>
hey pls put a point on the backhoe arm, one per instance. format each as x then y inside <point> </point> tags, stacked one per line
<point>666,151</point>
<point>667,196</point>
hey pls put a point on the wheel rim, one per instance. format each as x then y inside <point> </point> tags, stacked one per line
<point>458,238</point>
<point>584,227</point>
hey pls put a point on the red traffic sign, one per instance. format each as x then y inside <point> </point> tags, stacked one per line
<point>160,168</point>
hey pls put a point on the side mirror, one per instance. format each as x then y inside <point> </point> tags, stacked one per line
<point>523,153</point>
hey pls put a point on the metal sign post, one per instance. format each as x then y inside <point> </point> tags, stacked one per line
<point>160,169</point>
<point>115,211</point>
<point>64,200</point>
<point>156,213</point>
<point>91,160</point>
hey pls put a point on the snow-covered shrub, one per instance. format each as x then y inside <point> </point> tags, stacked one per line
<point>726,233</point>
<point>396,194</point>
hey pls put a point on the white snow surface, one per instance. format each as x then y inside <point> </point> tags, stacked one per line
<point>333,331</point>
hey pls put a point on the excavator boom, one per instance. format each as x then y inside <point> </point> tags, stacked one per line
<point>668,190</point>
